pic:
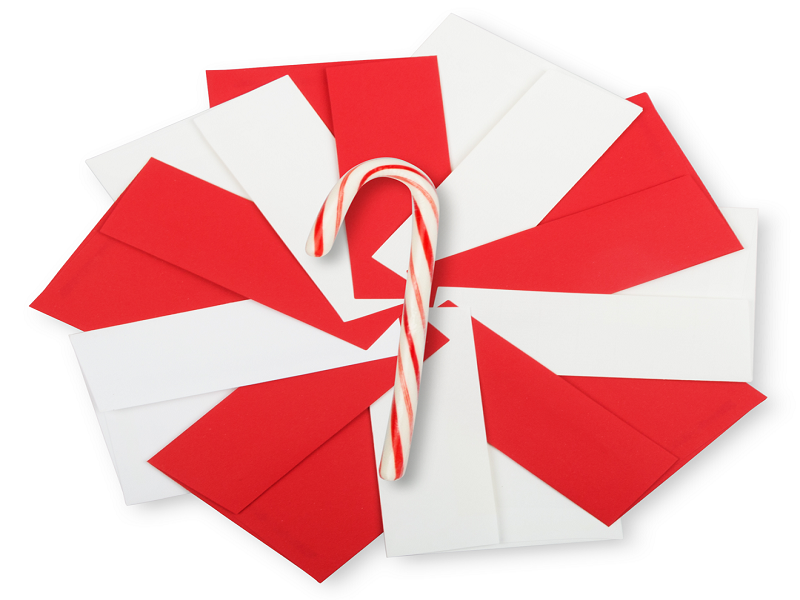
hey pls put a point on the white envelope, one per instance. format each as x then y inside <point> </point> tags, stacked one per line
<point>136,434</point>
<point>601,335</point>
<point>730,276</point>
<point>521,133</point>
<point>206,350</point>
<point>273,145</point>
<point>151,380</point>
<point>459,493</point>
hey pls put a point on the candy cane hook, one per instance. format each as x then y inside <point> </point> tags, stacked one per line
<point>414,321</point>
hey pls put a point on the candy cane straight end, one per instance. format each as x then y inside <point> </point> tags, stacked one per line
<point>414,320</point>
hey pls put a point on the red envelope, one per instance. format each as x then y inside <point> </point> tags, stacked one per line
<point>662,220</point>
<point>603,443</point>
<point>380,108</point>
<point>644,155</point>
<point>106,283</point>
<point>256,442</point>
<point>189,244</point>
<point>601,250</point>
<point>325,510</point>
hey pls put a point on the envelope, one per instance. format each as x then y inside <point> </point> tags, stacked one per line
<point>682,417</point>
<point>605,249</point>
<point>460,493</point>
<point>146,259</point>
<point>210,349</point>
<point>605,335</point>
<point>640,212</point>
<point>569,438</point>
<point>298,474</point>
<point>446,499</point>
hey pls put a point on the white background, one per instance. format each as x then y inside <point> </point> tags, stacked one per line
<point>79,78</point>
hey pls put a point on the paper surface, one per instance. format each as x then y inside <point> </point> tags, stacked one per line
<point>276,148</point>
<point>446,500</point>
<point>227,241</point>
<point>597,335</point>
<point>208,350</point>
<point>261,432</point>
<point>482,75</point>
<point>134,434</point>
<point>605,249</point>
<point>730,276</point>
<point>531,513</point>
<point>279,149</point>
<point>299,475</point>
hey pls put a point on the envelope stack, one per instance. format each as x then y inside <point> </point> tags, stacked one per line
<point>593,317</point>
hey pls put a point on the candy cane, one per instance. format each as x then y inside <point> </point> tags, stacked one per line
<point>414,320</point>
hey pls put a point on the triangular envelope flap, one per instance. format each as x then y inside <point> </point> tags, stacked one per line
<point>570,442</point>
<point>601,250</point>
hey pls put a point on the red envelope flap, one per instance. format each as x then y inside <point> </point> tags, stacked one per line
<point>388,108</point>
<point>561,435</point>
<point>106,283</point>
<point>325,510</point>
<point>261,432</point>
<point>682,417</point>
<point>224,238</point>
<point>644,155</point>
<point>601,250</point>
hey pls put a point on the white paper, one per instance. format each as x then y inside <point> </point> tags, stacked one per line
<point>482,77</point>
<point>451,499</point>
<point>445,500</point>
<point>180,145</point>
<point>207,350</point>
<point>640,337</point>
<point>282,153</point>
<point>729,276</point>
<point>521,133</point>
<point>134,435</point>
<point>531,513</point>
<point>285,156</point>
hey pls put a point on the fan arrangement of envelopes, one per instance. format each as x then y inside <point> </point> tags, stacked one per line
<point>592,328</point>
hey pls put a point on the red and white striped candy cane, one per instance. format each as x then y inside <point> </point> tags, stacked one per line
<point>414,321</point>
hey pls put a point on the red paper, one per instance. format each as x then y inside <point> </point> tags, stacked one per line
<point>379,108</point>
<point>388,108</point>
<point>682,417</point>
<point>325,510</point>
<point>257,440</point>
<point>167,219</point>
<point>644,155</point>
<point>311,80</point>
<point>601,250</point>
<point>106,283</point>
<point>603,443</point>
<point>560,435</point>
